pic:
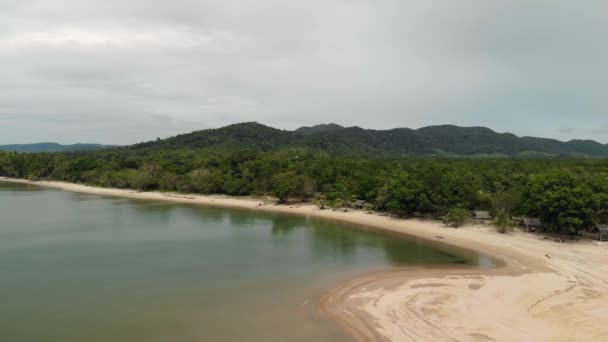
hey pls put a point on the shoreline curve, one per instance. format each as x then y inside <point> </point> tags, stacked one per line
<point>544,291</point>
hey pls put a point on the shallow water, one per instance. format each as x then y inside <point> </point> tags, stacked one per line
<point>78,267</point>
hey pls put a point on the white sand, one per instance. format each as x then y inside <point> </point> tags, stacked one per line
<point>547,291</point>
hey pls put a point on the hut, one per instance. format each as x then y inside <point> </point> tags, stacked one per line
<point>482,217</point>
<point>359,204</point>
<point>533,224</point>
<point>602,230</point>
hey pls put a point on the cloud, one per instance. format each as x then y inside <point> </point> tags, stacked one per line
<point>565,130</point>
<point>601,130</point>
<point>124,71</point>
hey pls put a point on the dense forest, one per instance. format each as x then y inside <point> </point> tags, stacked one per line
<point>569,195</point>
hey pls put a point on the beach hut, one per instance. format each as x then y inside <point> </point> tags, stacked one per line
<point>602,231</point>
<point>482,217</point>
<point>533,224</point>
<point>359,204</point>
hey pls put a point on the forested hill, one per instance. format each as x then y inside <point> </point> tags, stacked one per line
<point>51,147</point>
<point>445,140</point>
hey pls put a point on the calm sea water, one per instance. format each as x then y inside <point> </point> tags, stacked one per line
<point>78,267</point>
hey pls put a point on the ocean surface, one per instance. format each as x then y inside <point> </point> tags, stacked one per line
<point>80,267</point>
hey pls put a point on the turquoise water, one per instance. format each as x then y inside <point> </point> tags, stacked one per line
<point>78,267</point>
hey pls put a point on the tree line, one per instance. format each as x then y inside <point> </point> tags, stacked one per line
<point>568,195</point>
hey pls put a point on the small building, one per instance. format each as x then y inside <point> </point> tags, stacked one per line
<point>533,224</point>
<point>359,204</point>
<point>602,230</point>
<point>482,217</point>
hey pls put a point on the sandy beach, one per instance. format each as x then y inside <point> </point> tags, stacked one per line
<point>545,291</point>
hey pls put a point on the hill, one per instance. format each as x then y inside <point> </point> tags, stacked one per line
<point>444,140</point>
<point>318,129</point>
<point>52,147</point>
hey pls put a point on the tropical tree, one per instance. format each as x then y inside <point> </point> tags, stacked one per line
<point>286,184</point>
<point>564,202</point>
<point>456,217</point>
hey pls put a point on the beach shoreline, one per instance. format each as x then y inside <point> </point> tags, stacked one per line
<point>545,291</point>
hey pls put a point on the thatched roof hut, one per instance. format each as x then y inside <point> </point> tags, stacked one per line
<point>482,217</point>
<point>533,224</point>
<point>359,204</point>
<point>603,231</point>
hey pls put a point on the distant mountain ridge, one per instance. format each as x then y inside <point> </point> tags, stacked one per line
<point>443,140</point>
<point>52,147</point>
<point>318,129</point>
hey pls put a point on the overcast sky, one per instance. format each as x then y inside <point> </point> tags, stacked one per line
<point>124,71</point>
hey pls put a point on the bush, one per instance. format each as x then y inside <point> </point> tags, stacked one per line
<point>340,203</point>
<point>456,217</point>
<point>503,221</point>
<point>320,201</point>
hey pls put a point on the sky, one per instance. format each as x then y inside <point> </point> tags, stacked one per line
<point>120,72</point>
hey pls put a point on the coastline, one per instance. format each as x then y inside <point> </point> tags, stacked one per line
<point>546,291</point>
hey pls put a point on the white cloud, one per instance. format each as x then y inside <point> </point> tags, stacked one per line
<point>175,38</point>
<point>125,71</point>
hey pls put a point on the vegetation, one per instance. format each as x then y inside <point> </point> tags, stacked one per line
<point>503,221</point>
<point>320,201</point>
<point>567,201</point>
<point>569,195</point>
<point>456,217</point>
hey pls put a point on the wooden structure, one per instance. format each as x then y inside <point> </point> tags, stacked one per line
<point>359,204</point>
<point>482,217</point>
<point>533,224</point>
<point>602,231</point>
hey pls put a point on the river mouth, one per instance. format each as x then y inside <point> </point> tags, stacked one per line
<point>79,267</point>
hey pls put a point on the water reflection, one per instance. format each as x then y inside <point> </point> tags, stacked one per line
<point>334,241</point>
<point>208,215</point>
<point>331,240</point>
<point>14,187</point>
<point>242,219</point>
<point>282,225</point>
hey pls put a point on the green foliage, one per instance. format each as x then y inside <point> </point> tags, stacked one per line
<point>340,203</point>
<point>400,193</point>
<point>342,192</point>
<point>565,200</point>
<point>206,181</point>
<point>510,200</point>
<point>447,186</point>
<point>321,201</point>
<point>503,221</point>
<point>456,217</point>
<point>286,184</point>
<point>568,195</point>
